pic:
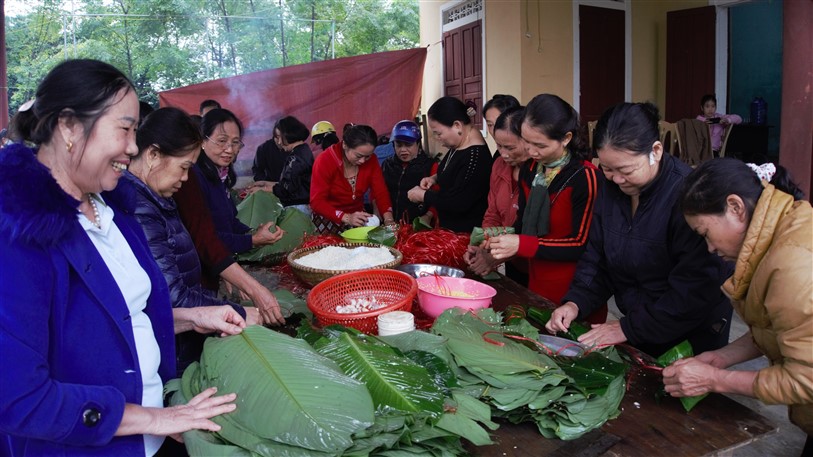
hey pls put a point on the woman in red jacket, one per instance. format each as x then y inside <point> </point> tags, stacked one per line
<point>341,176</point>
<point>559,189</point>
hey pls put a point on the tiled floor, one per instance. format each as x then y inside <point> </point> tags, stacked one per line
<point>789,440</point>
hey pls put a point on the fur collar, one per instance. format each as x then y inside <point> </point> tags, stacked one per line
<point>33,207</point>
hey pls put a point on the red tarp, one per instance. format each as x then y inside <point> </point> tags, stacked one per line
<point>375,89</point>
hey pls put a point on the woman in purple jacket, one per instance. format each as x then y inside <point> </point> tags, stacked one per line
<point>86,329</point>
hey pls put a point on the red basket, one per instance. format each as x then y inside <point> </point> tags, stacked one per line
<point>395,288</point>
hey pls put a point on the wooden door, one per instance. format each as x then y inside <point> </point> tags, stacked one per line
<point>463,65</point>
<point>601,60</point>
<point>690,57</point>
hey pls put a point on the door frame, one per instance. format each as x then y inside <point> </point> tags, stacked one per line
<point>721,50</point>
<point>478,14</point>
<point>610,4</point>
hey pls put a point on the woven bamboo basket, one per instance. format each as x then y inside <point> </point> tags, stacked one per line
<point>313,276</point>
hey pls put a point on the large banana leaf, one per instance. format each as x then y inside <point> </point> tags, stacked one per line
<point>296,225</point>
<point>682,350</point>
<point>286,391</point>
<point>259,208</point>
<point>393,380</point>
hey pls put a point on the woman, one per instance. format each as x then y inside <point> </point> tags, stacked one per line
<point>323,135</point>
<point>641,250</point>
<point>503,193</point>
<point>168,144</point>
<point>768,231</point>
<point>558,191</point>
<point>87,328</point>
<point>463,174</point>
<point>405,169</point>
<point>341,176</point>
<point>213,176</point>
<point>293,188</point>
<point>497,105</point>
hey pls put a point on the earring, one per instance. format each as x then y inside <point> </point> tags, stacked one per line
<point>69,146</point>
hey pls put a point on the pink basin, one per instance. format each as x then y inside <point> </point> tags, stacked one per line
<point>436,294</point>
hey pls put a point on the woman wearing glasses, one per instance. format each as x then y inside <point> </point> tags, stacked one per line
<point>212,179</point>
<point>341,176</point>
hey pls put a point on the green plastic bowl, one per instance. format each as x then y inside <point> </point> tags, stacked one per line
<point>356,235</point>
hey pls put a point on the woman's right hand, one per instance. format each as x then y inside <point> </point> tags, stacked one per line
<point>428,182</point>
<point>562,317</point>
<point>173,421</point>
<point>268,233</point>
<point>357,219</point>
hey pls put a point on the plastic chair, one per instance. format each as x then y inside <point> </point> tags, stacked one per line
<point>670,138</point>
<point>727,132</point>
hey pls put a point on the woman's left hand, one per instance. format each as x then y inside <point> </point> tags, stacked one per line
<point>602,335</point>
<point>503,246</point>
<point>689,377</point>
<point>223,319</point>
<point>416,194</point>
<point>268,306</point>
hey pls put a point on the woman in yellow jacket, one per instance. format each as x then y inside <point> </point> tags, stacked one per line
<point>768,231</point>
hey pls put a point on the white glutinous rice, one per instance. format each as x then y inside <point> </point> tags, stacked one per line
<point>339,258</point>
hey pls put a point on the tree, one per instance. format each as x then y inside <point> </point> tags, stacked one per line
<point>162,44</point>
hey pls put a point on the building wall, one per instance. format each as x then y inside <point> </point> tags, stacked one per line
<point>547,68</point>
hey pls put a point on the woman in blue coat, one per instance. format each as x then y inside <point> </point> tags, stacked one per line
<point>86,329</point>
<point>642,251</point>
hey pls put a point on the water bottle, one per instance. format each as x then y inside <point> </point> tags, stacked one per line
<point>759,111</point>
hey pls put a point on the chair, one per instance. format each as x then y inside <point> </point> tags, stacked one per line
<point>695,141</point>
<point>591,126</point>
<point>727,132</point>
<point>670,138</point>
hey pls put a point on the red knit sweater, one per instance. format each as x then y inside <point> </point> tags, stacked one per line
<point>331,193</point>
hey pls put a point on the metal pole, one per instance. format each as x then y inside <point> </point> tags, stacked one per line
<point>333,39</point>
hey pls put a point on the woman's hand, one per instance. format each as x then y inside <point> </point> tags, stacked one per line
<point>689,377</point>
<point>357,219</point>
<point>173,421</point>
<point>562,317</point>
<point>416,194</point>
<point>267,186</point>
<point>208,319</point>
<point>268,233</point>
<point>428,182</point>
<point>268,306</point>
<point>503,246</point>
<point>479,260</point>
<point>604,335</point>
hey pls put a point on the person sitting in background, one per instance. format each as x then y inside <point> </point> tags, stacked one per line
<point>341,176</point>
<point>463,174</point>
<point>503,192</point>
<point>405,169</point>
<point>767,229</point>
<point>717,122</point>
<point>641,250</point>
<point>323,135</point>
<point>168,145</point>
<point>213,176</point>
<point>293,188</point>
<point>208,105</point>
<point>269,160</point>
<point>87,327</point>
<point>496,106</point>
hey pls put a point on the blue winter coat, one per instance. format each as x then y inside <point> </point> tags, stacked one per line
<point>173,249</point>
<point>663,278</point>
<point>68,361</point>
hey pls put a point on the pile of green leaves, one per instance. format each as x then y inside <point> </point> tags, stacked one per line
<point>565,397</point>
<point>261,207</point>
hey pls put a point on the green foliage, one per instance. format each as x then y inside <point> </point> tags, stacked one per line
<point>163,44</point>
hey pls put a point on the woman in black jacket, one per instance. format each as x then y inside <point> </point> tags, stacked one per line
<point>642,251</point>
<point>405,169</point>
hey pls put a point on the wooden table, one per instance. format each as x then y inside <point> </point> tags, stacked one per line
<point>716,426</point>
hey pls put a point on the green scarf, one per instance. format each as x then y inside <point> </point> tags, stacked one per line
<point>536,217</point>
